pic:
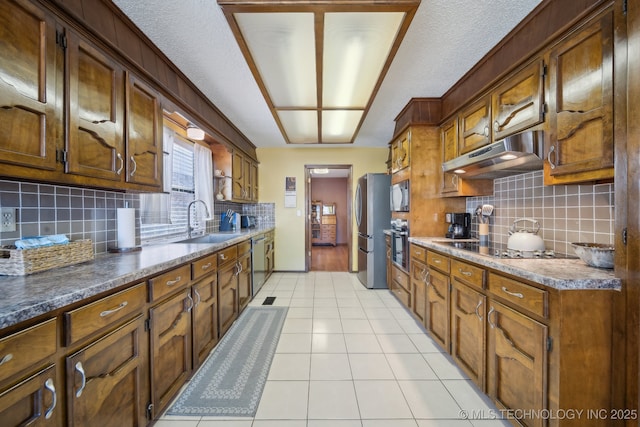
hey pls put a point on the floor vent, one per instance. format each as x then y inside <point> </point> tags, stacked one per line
<point>269,300</point>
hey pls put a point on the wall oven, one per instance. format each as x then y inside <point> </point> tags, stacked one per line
<point>400,243</point>
<point>399,196</point>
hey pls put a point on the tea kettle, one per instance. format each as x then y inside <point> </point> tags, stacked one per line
<point>524,240</point>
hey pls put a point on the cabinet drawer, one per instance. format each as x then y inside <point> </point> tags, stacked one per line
<point>519,294</point>
<point>89,319</point>
<point>26,348</point>
<point>400,277</point>
<point>204,266</point>
<point>418,252</point>
<point>227,255</point>
<point>438,261</point>
<point>468,274</point>
<point>244,247</point>
<point>168,282</point>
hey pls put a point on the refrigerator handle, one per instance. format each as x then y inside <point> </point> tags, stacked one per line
<point>358,205</point>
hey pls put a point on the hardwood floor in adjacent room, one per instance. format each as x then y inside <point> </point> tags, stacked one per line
<point>329,258</point>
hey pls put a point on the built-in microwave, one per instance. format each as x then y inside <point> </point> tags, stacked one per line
<point>399,196</point>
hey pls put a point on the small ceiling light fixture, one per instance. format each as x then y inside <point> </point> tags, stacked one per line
<point>319,171</point>
<point>318,63</point>
<point>194,132</point>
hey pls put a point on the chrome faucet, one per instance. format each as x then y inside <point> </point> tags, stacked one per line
<point>206,209</point>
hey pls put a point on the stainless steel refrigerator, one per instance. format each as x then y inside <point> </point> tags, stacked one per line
<point>373,215</point>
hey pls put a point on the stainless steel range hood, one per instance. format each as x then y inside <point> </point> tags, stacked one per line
<point>519,153</point>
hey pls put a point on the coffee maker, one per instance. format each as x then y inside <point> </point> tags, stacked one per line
<point>459,225</point>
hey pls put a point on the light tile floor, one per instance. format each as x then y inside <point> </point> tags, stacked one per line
<point>354,357</point>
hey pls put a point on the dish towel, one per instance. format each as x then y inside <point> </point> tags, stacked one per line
<point>41,241</point>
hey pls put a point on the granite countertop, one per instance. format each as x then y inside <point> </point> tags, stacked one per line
<point>26,297</point>
<point>561,274</point>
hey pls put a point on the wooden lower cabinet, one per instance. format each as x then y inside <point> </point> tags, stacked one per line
<point>33,402</point>
<point>227,296</point>
<point>171,347</point>
<point>419,277</point>
<point>106,379</point>
<point>205,318</point>
<point>468,308</point>
<point>437,317</point>
<point>517,360</point>
<point>244,275</point>
<point>400,285</point>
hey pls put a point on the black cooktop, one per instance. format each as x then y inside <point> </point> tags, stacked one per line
<point>500,250</point>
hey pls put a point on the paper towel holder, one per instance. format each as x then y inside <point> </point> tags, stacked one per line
<point>124,249</point>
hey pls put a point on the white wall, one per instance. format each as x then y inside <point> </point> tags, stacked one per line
<point>278,163</point>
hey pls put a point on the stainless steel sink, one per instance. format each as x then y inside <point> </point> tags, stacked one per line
<point>211,238</point>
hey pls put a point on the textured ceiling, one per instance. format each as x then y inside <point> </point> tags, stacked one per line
<point>446,38</point>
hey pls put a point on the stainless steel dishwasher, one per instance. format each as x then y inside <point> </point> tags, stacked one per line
<point>258,257</point>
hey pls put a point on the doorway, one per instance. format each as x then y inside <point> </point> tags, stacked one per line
<point>328,201</point>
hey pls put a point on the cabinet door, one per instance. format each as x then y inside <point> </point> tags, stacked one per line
<point>468,331</point>
<point>227,296</point>
<point>106,379</point>
<point>144,134</point>
<point>33,402</point>
<point>170,348</point>
<point>30,121</point>
<point>254,182</point>
<point>581,101</point>
<point>237,184</point>
<point>517,103</point>
<point>475,126</point>
<point>205,318</point>
<point>419,277</point>
<point>244,282</point>
<point>96,112</point>
<point>400,152</point>
<point>517,360</point>
<point>438,308</point>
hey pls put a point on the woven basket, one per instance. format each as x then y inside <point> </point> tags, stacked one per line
<point>20,262</point>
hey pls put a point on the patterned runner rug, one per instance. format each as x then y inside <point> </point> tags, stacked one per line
<point>231,380</point>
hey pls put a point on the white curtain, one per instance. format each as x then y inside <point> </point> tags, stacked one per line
<point>203,177</point>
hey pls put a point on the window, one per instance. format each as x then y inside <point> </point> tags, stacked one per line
<point>162,214</point>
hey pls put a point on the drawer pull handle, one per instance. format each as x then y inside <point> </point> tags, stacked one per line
<point>491,310</point>
<point>223,257</point>
<point>437,260</point>
<point>113,310</point>
<point>48,384</point>
<point>173,282</point>
<point>7,357</point>
<point>513,294</point>
<point>465,273</point>
<point>206,266</point>
<point>478,308</point>
<point>80,369</point>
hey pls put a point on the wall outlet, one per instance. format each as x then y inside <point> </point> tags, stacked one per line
<point>8,218</point>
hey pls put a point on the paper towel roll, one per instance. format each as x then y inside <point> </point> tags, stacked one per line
<point>126,227</point>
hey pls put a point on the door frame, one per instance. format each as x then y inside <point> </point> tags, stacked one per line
<point>307,220</point>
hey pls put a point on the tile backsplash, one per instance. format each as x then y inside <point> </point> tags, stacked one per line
<point>79,213</point>
<point>45,209</point>
<point>566,213</point>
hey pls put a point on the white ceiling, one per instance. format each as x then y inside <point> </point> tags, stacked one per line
<point>446,38</point>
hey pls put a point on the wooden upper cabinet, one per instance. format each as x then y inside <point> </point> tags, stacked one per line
<point>581,103</point>
<point>517,103</point>
<point>30,119</point>
<point>400,152</point>
<point>144,134</point>
<point>475,126</point>
<point>96,112</point>
<point>245,178</point>
<point>449,138</point>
